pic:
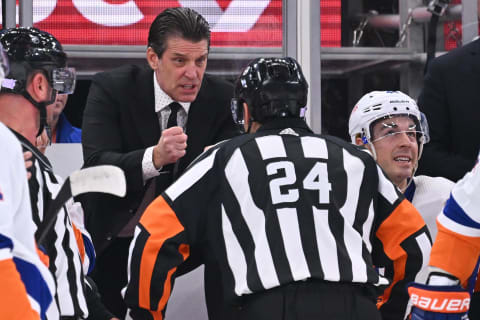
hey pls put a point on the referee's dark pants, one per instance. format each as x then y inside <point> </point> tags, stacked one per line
<point>474,312</point>
<point>110,275</point>
<point>310,300</point>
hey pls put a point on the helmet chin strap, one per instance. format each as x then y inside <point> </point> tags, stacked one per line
<point>415,167</point>
<point>366,141</point>
<point>41,106</point>
<point>249,126</point>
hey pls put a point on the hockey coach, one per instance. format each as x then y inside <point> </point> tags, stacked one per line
<point>295,220</point>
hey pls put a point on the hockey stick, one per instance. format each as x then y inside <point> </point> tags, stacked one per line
<point>105,179</point>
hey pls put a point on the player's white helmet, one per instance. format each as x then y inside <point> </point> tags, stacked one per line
<point>377,105</point>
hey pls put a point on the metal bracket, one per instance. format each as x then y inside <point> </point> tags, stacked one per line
<point>438,7</point>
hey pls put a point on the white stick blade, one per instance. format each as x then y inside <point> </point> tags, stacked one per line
<point>104,178</point>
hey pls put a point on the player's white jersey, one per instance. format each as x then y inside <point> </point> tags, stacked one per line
<point>20,265</point>
<point>429,197</point>
<point>457,246</point>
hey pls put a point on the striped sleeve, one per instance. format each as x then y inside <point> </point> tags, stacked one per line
<point>406,243</point>
<point>155,255</point>
<point>61,243</point>
<point>161,243</point>
<point>457,246</point>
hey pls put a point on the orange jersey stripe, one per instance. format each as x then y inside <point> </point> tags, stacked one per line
<point>162,224</point>
<point>399,267</point>
<point>167,289</point>
<point>401,224</point>
<point>156,315</point>
<point>80,243</point>
<point>43,257</point>
<point>455,253</point>
<point>14,302</point>
<point>404,221</point>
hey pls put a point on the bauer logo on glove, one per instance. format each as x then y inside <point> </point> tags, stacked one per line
<point>438,300</point>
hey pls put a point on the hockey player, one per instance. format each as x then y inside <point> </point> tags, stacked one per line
<point>454,256</point>
<point>28,287</point>
<point>295,220</point>
<point>37,72</point>
<point>391,126</point>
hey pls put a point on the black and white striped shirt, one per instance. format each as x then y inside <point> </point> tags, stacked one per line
<point>61,244</point>
<point>279,206</point>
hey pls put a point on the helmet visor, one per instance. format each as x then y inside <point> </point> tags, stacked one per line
<point>412,134</point>
<point>63,80</point>
<point>394,126</point>
<point>424,126</point>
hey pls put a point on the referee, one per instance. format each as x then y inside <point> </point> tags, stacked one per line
<point>295,220</point>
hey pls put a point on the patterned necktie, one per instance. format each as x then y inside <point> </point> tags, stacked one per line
<point>172,122</point>
<point>172,119</point>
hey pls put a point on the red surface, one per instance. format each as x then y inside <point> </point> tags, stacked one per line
<point>453,31</point>
<point>70,26</point>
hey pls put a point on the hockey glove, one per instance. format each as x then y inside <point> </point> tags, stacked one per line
<point>438,302</point>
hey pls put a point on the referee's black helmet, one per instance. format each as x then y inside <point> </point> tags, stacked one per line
<point>30,51</point>
<point>272,88</point>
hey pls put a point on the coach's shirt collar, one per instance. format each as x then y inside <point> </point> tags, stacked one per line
<point>162,99</point>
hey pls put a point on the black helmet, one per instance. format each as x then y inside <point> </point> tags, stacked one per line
<point>30,50</point>
<point>272,88</point>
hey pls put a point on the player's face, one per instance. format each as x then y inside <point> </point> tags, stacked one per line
<point>395,142</point>
<point>179,71</point>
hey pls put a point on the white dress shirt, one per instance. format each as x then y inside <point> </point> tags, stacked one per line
<point>162,100</point>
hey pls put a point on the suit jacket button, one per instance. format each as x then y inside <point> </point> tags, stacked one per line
<point>132,211</point>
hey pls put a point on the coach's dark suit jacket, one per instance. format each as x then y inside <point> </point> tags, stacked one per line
<point>451,101</point>
<point>120,122</point>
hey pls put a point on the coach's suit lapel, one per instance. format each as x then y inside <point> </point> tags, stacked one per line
<point>475,55</point>
<point>144,116</point>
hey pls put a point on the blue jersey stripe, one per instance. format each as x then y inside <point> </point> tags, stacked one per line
<point>5,242</point>
<point>90,252</point>
<point>35,284</point>
<point>453,211</point>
